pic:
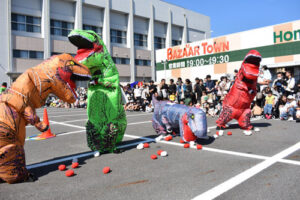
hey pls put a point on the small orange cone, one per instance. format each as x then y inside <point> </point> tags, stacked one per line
<point>47,134</point>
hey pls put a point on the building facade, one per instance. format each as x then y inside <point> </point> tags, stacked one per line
<point>33,30</point>
<point>279,46</point>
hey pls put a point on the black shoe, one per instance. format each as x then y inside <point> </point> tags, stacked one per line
<point>31,178</point>
<point>117,151</point>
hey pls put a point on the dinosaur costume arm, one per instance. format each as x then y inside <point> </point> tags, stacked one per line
<point>31,118</point>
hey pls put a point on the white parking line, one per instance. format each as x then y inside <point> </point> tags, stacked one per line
<point>240,178</point>
<point>178,144</point>
<point>32,166</point>
<point>86,114</point>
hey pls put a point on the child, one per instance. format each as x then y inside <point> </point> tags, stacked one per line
<point>256,110</point>
<point>269,104</point>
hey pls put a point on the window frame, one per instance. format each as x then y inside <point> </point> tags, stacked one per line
<point>15,23</point>
<point>69,26</point>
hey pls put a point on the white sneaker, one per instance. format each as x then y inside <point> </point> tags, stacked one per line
<point>216,136</point>
<point>192,143</point>
<point>96,154</point>
<point>290,119</point>
<point>248,133</point>
<point>256,129</point>
<point>159,138</point>
<point>140,146</point>
<point>221,132</point>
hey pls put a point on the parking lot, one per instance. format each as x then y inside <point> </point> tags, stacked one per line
<point>265,165</point>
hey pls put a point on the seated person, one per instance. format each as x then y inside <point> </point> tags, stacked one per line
<point>289,109</point>
<point>298,111</point>
<point>256,110</point>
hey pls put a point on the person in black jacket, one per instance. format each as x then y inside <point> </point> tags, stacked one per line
<point>198,89</point>
<point>172,87</point>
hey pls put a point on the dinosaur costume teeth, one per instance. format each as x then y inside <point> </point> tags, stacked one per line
<point>106,116</point>
<point>55,75</point>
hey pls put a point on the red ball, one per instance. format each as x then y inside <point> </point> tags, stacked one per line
<point>199,146</point>
<point>159,152</point>
<point>181,141</point>
<point>217,133</point>
<point>153,157</point>
<point>229,133</point>
<point>62,167</point>
<point>75,165</point>
<point>69,173</point>
<point>106,170</point>
<point>187,145</point>
<point>146,145</point>
<point>170,137</point>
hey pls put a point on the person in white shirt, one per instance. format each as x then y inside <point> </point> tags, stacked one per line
<point>264,77</point>
<point>289,109</point>
<point>138,93</point>
<point>290,82</point>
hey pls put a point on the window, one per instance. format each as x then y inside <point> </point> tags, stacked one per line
<point>97,29</point>
<point>176,42</point>
<point>140,40</point>
<point>61,28</point>
<point>25,23</point>
<point>122,61</point>
<point>117,36</point>
<point>159,43</point>
<point>142,62</point>
<point>28,54</point>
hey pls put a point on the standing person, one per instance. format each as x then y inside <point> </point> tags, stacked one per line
<point>198,88</point>
<point>172,90</point>
<point>290,83</point>
<point>188,91</point>
<point>269,104</point>
<point>179,90</point>
<point>264,78</point>
<point>222,87</point>
<point>152,90</point>
<point>163,89</point>
<point>210,87</point>
<point>3,87</point>
<point>138,93</point>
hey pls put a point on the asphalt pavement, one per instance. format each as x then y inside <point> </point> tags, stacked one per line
<point>265,165</point>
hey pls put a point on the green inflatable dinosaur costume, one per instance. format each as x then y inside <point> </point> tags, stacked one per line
<point>106,116</point>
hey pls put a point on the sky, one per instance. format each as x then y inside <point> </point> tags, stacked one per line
<point>231,16</point>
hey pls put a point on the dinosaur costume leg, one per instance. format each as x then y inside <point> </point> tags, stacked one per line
<point>12,136</point>
<point>225,116</point>
<point>244,120</point>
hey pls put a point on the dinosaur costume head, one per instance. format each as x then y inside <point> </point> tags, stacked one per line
<point>66,76</point>
<point>55,75</point>
<point>90,49</point>
<point>250,66</point>
<point>193,124</point>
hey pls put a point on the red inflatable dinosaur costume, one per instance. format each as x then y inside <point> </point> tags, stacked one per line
<point>236,104</point>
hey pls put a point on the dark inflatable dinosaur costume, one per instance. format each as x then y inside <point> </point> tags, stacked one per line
<point>169,117</point>
<point>56,75</point>
<point>236,104</point>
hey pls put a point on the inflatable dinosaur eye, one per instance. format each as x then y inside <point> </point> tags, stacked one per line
<point>72,62</point>
<point>192,116</point>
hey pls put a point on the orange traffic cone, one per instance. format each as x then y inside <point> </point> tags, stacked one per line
<point>47,134</point>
